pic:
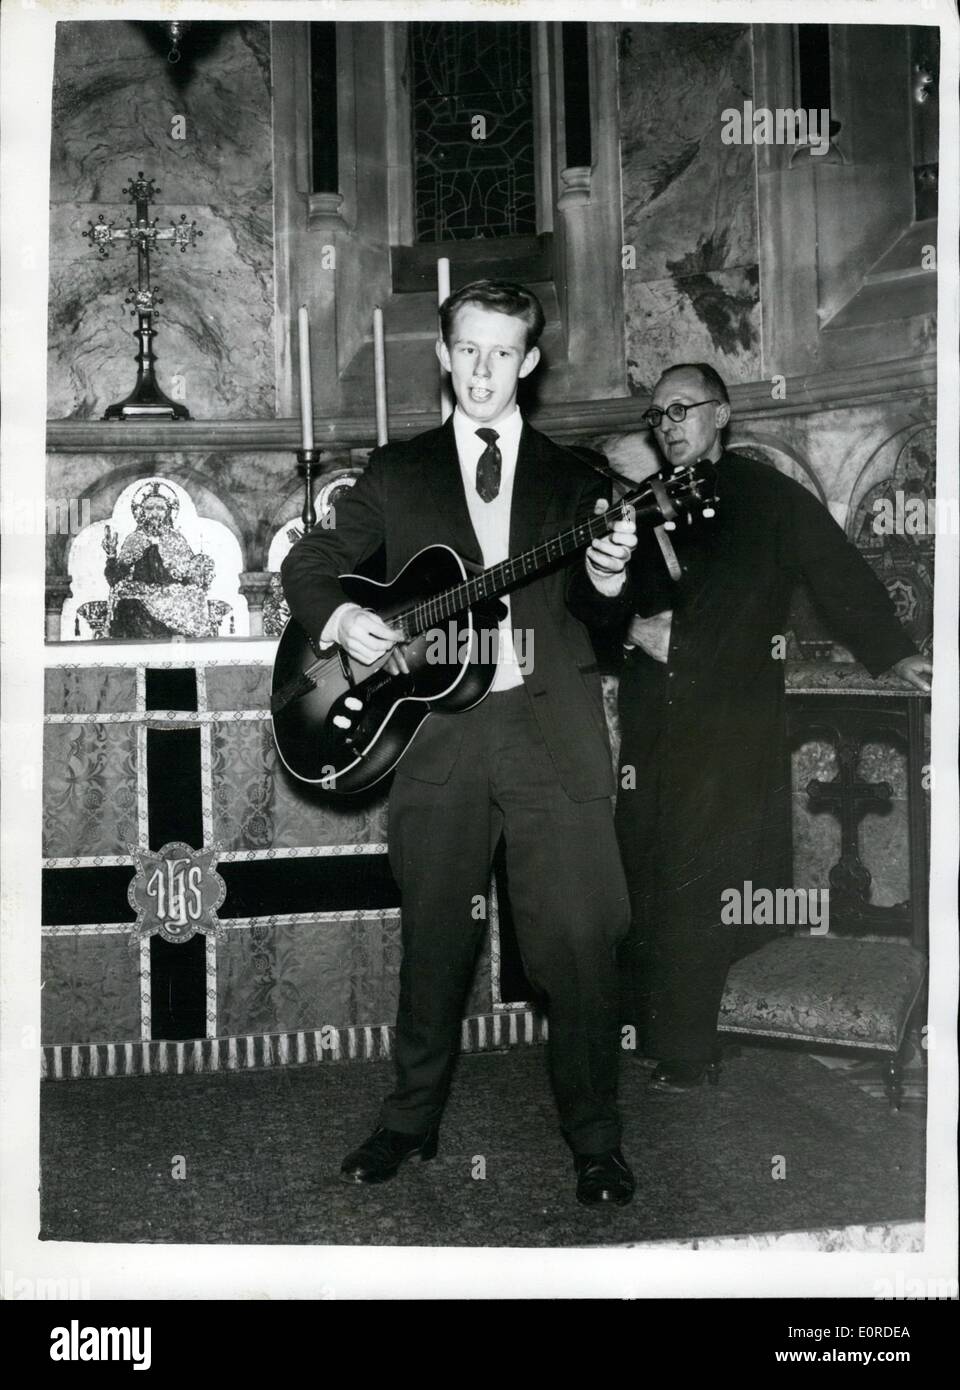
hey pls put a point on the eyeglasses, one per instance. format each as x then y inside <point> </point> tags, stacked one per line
<point>675,412</point>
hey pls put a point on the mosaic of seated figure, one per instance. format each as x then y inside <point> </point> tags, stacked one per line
<point>158,583</point>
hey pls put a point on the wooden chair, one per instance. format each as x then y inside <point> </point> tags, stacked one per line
<point>858,986</point>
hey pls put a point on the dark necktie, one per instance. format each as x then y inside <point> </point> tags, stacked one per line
<point>488,466</point>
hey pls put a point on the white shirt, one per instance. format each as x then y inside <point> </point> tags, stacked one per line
<point>491,522</point>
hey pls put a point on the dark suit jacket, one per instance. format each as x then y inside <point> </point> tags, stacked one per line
<point>411,495</point>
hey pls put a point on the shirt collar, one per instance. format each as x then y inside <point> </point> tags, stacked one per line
<point>465,430</point>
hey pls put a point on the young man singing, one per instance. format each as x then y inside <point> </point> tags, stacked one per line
<point>530,762</point>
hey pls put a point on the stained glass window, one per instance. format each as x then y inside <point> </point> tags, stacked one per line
<point>323,105</point>
<point>473,130</point>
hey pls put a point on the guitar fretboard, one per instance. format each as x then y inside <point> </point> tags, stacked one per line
<point>682,490</point>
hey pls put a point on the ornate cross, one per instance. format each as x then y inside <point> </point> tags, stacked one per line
<point>146,401</point>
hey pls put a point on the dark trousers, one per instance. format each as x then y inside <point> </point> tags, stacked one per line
<point>690,823</point>
<point>569,904</point>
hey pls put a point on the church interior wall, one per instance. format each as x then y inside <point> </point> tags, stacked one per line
<point>693,209</point>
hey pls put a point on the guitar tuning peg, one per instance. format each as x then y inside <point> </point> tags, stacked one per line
<point>709,512</point>
<point>669,525</point>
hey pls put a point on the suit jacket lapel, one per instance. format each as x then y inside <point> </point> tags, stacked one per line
<point>445,484</point>
<point>532,491</point>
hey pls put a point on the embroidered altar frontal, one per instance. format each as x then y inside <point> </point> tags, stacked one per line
<point>201,909</point>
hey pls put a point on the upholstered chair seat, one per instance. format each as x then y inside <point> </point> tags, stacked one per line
<point>827,991</point>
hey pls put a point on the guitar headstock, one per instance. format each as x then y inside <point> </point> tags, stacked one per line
<point>662,497</point>
<point>693,489</point>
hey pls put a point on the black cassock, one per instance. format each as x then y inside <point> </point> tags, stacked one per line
<point>704,733</point>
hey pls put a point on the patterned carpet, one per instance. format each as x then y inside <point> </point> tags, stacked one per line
<point>865,1073</point>
<point>259,1154</point>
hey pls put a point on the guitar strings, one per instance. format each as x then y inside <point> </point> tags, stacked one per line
<point>436,608</point>
<point>460,595</point>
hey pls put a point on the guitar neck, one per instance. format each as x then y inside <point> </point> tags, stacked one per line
<point>498,579</point>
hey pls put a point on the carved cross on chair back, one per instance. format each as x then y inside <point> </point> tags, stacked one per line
<point>849,723</point>
<point>837,991</point>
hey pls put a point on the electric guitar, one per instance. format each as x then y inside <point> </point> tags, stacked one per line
<point>343,726</point>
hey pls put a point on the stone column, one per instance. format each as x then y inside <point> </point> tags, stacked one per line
<point>55,596</point>
<point>255,586</point>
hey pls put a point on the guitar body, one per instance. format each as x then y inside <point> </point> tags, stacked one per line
<point>344,726</point>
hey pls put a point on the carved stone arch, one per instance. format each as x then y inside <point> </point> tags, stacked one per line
<point>103,493</point>
<point>290,504</point>
<point>289,509</point>
<point>882,466</point>
<point>768,449</point>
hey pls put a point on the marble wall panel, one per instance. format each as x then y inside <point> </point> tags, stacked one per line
<point>115,97</point>
<point>214,329</point>
<point>689,201</point>
<point>115,100</point>
<point>91,989</point>
<point>708,316</point>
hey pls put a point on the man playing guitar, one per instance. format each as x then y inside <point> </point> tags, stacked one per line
<point>530,762</point>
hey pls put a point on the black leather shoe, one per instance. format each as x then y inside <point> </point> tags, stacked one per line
<point>603,1178</point>
<point>380,1157</point>
<point>683,1076</point>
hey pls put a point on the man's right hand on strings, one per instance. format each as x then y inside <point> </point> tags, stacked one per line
<point>365,636</point>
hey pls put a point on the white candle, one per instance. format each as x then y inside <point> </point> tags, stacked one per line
<point>443,292</point>
<point>443,279</point>
<point>306,385</point>
<point>380,375</point>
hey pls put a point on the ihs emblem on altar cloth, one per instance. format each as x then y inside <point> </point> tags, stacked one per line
<point>176,892</point>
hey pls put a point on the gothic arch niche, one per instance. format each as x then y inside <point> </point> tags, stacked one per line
<point>154,570</point>
<point>284,538</point>
<point>893,520</point>
<point>780,456</point>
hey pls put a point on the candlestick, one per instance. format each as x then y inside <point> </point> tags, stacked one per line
<point>443,292</point>
<point>306,383</point>
<point>380,375</point>
<point>306,458</point>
